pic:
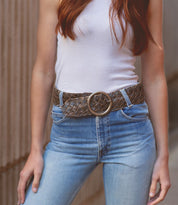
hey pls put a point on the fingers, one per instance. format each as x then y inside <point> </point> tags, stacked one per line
<point>18,203</point>
<point>153,186</point>
<point>24,176</point>
<point>36,181</point>
<point>33,164</point>
<point>161,195</point>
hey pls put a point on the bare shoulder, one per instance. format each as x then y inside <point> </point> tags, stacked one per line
<point>155,6</point>
<point>51,4</point>
<point>46,36</point>
<point>152,59</point>
<point>155,20</point>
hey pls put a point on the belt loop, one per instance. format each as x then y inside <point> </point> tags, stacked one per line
<point>126,97</point>
<point>61,98</point>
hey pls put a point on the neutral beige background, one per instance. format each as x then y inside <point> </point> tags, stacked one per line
<point>18,25</point>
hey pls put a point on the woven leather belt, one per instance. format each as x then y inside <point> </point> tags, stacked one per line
<point>98,103</point>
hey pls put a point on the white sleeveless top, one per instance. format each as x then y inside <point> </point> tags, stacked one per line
<point>93,61</point>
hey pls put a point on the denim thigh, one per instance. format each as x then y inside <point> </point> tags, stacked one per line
<point>130,155</point>
<point>69,158</point>
<point>122,140</point>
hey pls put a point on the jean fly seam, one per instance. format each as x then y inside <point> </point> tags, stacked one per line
<point>107,136</point>
<point>97,134</point>
<point>108,131</point>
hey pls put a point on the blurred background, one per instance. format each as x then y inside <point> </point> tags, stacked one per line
<point>18,27</point>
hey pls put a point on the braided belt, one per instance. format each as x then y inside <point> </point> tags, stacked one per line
<point>98,103</point>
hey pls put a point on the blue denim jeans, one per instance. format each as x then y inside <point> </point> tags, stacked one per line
<point>122,140</point>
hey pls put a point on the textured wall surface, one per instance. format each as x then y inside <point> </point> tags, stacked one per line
<point>18,27</point>
<point>171,58</point>
<point>17,47</point>
<point>171,38</point>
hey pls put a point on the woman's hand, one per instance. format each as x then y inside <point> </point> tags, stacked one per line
<point>161,175</point>
<point>33,166</point>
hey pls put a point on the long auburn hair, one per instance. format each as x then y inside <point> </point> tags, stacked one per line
<point>135,13</point>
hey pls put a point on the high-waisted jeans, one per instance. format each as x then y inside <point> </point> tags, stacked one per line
<point>122,140</point>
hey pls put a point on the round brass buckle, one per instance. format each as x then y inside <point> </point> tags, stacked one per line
<point>100,113</point>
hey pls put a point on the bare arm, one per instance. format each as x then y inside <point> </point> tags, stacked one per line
<point>154,79</point>
<point>155,87</point>
<point>43,76</point>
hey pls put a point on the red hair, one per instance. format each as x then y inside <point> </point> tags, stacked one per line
<point>135,13</point>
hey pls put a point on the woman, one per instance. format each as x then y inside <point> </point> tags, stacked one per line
<point>101,112</point>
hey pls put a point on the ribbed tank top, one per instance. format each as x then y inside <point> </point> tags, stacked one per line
<point>94,61</point>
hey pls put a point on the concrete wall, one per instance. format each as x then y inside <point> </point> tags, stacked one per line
<point>17,53</point>
<point>171,39</point>
<point>171,58</point>
<point>18,26</point>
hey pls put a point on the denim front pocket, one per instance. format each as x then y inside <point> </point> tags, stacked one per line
<point>136,112</point>
<point>57,115</point>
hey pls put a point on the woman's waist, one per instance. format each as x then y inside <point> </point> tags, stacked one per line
<point>84,84</point>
